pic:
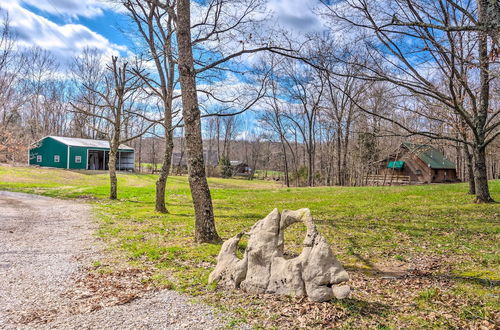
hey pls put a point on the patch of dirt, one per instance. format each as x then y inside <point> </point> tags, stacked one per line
<point>93,290</point>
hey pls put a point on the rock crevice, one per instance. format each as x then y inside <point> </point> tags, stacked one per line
<point>315,273</point>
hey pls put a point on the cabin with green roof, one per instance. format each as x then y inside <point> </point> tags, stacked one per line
<point>422,163</point>
<point>78,154</point>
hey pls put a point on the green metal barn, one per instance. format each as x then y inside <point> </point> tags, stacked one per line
<point>78,154</point>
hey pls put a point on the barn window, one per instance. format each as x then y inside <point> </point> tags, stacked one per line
<point>418,172</point>
<point>78,159</point>
<point>39,158</point>
<point>56,158</point>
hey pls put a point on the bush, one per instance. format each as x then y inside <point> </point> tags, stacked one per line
<point>225,167</point>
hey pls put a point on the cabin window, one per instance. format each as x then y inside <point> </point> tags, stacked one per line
<point>78,159</point>
<point>56,158</point>
<point>39,158</point>
<point>418,172</point>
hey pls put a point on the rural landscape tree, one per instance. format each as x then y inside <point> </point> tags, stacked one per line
<point>456,41</point>
<point>212,26</point>
<point>205,224</point>
<point>156,28</point>
<point>113,94</point>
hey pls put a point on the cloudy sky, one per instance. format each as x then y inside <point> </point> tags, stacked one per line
<point>65,27</point>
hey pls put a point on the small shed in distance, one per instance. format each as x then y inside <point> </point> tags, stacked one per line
<point>240,168</point>
<point>422,163</point>
<point>78,154</point>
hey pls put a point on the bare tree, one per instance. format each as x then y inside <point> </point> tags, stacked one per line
<point>436,29</point>
<point>12,130</point>
<point>205,225</point>
<point>343,94</point>
<point>38,82</point>
<point>216,24</point>
<point>291,109</point>
<point>156,28</point>
<point>275,120</point>
<point>88,71</point>
<point>114,96</point>
<point>305,90</point>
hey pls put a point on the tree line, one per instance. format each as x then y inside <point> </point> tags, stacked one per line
<point>325,106</point>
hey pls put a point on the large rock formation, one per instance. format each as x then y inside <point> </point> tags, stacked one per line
<point>315,273</point>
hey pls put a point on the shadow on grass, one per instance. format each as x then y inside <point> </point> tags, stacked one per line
<point>474,280</point>
<point>355,246</point>
<point>90,172</point>
<point>361,307</point>
<point>372,269</point>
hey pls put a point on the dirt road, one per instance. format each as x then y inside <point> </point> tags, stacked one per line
<point>44,243</point>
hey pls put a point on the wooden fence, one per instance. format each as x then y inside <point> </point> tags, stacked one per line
<point>386,180</point>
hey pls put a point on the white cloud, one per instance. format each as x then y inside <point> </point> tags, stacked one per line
<point>277,22</point>
<point>67,40</point>
<point>296,15</point>
<point>63,40</point>
<point>73,8</point>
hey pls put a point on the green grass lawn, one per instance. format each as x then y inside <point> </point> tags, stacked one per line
<point>445,246</point>
<point>260,174</point>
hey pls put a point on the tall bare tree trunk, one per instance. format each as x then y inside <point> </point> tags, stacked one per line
<point>470,170</point>
<point>217,125</point>
<point>161,183</point>
<point>340,170</point>
<point>168,90</point>
<point>205,226</point>
<point>285,161</point>
<point>140,154</point>
<point>156,29</point>
<point>480,176</point>
<point>112,176</point>
<point>480,172</point>
<point>296,160</point>
<point>114,145</point>
<point>310,168</point>
<point>113,151</point>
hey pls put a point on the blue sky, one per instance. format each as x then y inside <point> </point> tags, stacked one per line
<point>65,27</point>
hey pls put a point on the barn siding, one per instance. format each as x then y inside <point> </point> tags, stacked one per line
<point>78,151</point>
<point>444,175</point>
<point>413,164</point>
<point>48,148</point>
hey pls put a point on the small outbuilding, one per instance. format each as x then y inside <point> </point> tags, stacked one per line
<point>240,168</point>
<point>421,163</point>
<point>78,154</point>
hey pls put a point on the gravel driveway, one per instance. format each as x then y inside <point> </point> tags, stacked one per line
<point>44,243</point>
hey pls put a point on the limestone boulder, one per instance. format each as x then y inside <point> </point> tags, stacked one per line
<point>230,270</point>
<point>315,273</point>
<point>286,277</point>
<point>260,251</point>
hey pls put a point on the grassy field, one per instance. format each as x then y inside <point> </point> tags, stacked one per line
<point>269,174</point>
<point>418,256</point>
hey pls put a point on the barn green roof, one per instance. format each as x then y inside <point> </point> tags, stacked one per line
<point>430,155</point>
